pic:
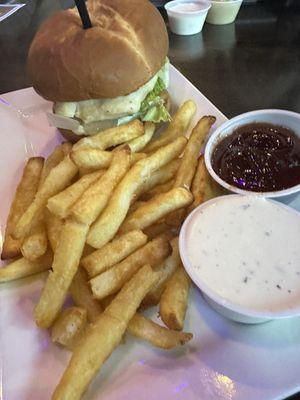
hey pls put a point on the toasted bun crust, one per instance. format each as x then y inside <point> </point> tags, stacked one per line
<point>125,47</point>
<point>73,138</point>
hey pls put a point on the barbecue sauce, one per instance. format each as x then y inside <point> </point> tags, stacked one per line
<point>259,157</point>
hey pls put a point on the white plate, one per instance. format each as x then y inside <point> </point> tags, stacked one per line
<point>225,360</point>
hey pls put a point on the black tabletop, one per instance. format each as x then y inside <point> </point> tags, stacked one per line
<point>251,64</point>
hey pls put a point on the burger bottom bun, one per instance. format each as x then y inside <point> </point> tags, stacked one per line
<point>73,137</point>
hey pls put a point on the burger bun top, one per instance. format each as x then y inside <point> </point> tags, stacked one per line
<point>125,47</point>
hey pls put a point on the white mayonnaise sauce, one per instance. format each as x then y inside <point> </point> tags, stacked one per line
<point>187,7</point>
<point>247,250</point>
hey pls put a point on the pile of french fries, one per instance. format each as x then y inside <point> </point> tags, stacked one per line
<point>103,217</point>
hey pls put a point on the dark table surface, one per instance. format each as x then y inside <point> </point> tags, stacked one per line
<point>251,64</point>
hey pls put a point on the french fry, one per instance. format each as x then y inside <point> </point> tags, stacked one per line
<point>177,127</point>
<point>156,208</point>
<point>187,168</point>
<point>107,300</point>
<point>103,336</point>
<point>174,300</point>
<point>65,263</point>
<point>59,177</point>
<point>113,252</point>
<point>91,203</point>
<point>85,171</point>
<point>87,250</point>
<point>138,326</point>
<point>113,136</point>
<point>163,188</point>
<point>22,268</point>
<point>160,176</point>
<point>107,225</point>
<point>110,281</point>
<point>176,218</point>
<point>134,206</point>
<point>54,227</point>
<point>54,159</point>
<point>24,196</point>
<point>69,327</point>
<point>61,203</point>
<point>35,245</point>
<point>166,269</point>
<point>156,229</point>
<point>81,293</point>
<point>90,159</point>
<point>140,142</point>
<point>204,186</point>
<point>157,335</point>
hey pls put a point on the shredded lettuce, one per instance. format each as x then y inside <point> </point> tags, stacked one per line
<point>152,107</point>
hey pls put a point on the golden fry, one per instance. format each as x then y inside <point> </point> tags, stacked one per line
<point>187,168</point>
<point>174,300</point>
<point>54,227</point>
<point>204,187</point>
<point>163,188</point>
<point>140,142</point>
<point>59,177</point>
<point>134,206</point>
<point>113,136</point>
<point>61,203</point>
<point>22,268</point>
<point>166,269</point>
<point>91,203</point>
<point>156,208</point>
<point>81,293</point>
<point>57,155</point>
<point>160,176</point>
<point>107,225</point>
<point>89,159</point>
<point>176,218</point>
<point>177,127</point>
<point>69,327</point>
<point>103,336</point>
<point>113,252</point>
<point>156,229</point>
<point>110,281</point>
<point>24,196</point>
<point>35,245</point>
<point>65,263</point>
<point>157,335</point>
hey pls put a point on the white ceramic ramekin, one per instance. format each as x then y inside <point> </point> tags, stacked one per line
<point>225,307</point>
<point>288,119</point>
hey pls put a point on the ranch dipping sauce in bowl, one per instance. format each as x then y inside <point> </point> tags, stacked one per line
<point>243,253</point>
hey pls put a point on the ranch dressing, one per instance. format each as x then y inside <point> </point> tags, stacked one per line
<point>247,250</point>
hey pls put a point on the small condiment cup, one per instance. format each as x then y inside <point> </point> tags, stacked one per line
<point>186,17</point>
<point>223,11</point>
<point>228,308</point>
<point>285,118</point>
